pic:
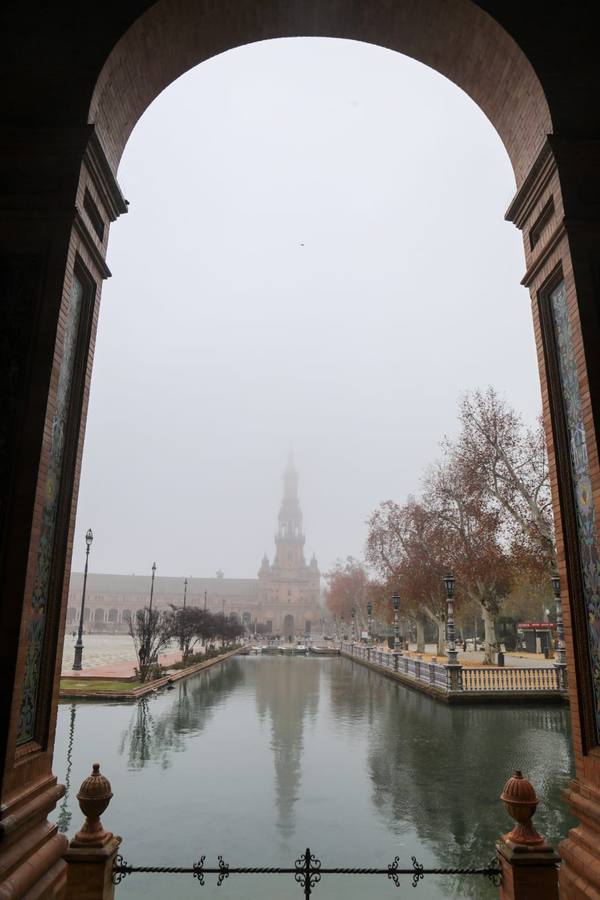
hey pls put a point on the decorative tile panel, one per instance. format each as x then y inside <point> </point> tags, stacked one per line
<point>582,485</point>
<point>39,598</point>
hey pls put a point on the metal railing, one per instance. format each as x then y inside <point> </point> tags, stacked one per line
<point>307,871</point>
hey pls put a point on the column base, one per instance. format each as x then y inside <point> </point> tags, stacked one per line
<point>90,870</point>
<point>31,849</point>
<point>527,872</point>
<point>580,851</point>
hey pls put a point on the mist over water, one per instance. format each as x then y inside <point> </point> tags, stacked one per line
<point>315,254</point>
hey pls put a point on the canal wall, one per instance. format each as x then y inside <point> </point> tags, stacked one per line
<point>444,695</point>
<point>149,688</point>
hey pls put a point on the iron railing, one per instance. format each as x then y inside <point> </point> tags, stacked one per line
<point>307,871</point>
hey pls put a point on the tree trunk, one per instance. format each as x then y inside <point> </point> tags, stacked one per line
<point>490,647</point>
<point>441,641</point>
<point>420,635</point>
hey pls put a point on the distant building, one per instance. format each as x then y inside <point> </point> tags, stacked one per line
<point>285,597</point>
<point>288,590</point>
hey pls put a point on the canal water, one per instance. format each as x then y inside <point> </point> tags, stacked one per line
<point>260,757</point>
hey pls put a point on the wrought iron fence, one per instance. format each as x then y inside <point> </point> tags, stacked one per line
<point>307,871</point>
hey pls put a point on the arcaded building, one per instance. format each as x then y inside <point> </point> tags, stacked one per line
<point>284,597</point>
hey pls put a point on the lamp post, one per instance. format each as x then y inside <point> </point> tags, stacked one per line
<point>152,585</point>
<point>560,659</point>
<point>353,625</point>
<point>89,537</point>
<point>369,620</point>
<point>185,584</point>
<point>451,651</point>
<point>396,608</point>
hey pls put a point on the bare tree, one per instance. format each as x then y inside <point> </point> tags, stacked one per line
<point>150,630</point>
<point>510,462</point>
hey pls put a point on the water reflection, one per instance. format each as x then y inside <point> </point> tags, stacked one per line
<point>441,768</point>
<point>64,813</point>
<point>258,758</point>
<point>288,689</point>
<point>150,738</point>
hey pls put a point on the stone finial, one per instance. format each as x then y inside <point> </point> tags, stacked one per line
<point>94,796</point>
<point>520,801</point>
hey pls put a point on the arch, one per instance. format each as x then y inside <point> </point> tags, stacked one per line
<point>455,37</point>
<point>113,615</point>
<point>71,615</point>
<point>288,625</point>
<point>126,615</point>
<point>98,616</point>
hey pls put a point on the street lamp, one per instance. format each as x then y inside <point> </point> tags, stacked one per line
<point>560,656</point>
<point>396,607</point>
<point>353,624</point>
<point>369,619</point>
<point>152,584</point>
<point>89,537</point>
<point>449,582</point>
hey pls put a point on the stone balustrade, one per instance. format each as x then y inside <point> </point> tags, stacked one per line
<point>462,681</point>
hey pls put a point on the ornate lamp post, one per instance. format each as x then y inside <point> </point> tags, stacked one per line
<point>396,608</point>
<point>451,651</point>
<point>353,625</point>
<point>369,620</point>
<point>560,659</point>
<point>152,585</point>
<point>89,537</point>
<point>185,584</point>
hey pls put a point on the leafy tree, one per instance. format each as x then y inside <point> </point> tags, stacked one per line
<point>348,589</point>
<point>188,625</point>
<point>407,546</point>
<point>473,536</point>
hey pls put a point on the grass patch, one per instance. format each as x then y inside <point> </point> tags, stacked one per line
<point>93,684</point>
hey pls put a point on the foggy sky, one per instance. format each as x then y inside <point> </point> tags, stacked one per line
<point>315,254</point>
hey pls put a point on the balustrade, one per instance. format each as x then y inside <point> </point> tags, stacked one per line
<point>474,679</point>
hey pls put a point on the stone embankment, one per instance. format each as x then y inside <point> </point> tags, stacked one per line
<point>465,684</point>
<point>103,688</point>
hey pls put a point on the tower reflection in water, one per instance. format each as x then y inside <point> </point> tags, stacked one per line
<point>287,689</point>
<point>260,757</point>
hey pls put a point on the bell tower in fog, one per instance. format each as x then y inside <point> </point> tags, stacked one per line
<point>289,589</point>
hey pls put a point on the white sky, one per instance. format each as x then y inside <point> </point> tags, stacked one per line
<point>316,254</point>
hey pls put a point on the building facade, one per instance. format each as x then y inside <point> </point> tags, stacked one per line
<point>289,589</point>
<point>285,598</point>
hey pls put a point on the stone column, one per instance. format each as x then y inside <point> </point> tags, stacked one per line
<point>558,210</point>
<point>528,866</point>
<point>53,235</point>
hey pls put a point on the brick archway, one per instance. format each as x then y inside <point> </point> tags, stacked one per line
<point>455,37</point>
<point>66,129</point>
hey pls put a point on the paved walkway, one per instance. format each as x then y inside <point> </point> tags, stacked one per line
<point>108,656</point>
<point>121,669</point>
